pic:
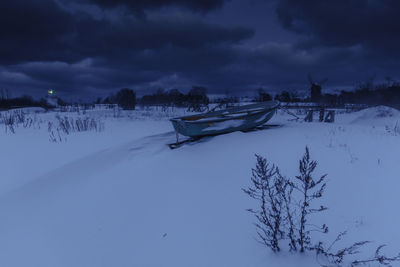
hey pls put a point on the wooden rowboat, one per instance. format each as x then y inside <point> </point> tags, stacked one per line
<point>240,118</point>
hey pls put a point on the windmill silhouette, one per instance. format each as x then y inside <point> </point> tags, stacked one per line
<point>316,88</point>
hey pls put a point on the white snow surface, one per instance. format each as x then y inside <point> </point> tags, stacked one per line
<point>121,197</point>
<point>377,116</point>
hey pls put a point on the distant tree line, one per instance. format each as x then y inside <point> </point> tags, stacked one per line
<point>284,96</point>
<point>7,102</point>
<point>125,98</point>
<point>196,99</point>
<point>364,93</point>
<point>383,94</point>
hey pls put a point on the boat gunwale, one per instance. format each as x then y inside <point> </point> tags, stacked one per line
<point>221,119</point>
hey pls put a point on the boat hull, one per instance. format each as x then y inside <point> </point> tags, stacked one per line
<point>215,123</point>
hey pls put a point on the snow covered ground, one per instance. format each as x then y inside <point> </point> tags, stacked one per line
<point>121,197</point>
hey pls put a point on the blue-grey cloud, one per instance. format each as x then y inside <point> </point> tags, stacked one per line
<point>372,24</point>
<point>93,47</point>
<point>140,5</point>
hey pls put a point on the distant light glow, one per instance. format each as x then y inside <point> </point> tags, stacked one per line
<point>51,92</point>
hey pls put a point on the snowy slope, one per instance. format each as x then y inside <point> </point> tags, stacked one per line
<point>123,198</point>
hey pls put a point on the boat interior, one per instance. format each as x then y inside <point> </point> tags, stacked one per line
<point>232,113</point>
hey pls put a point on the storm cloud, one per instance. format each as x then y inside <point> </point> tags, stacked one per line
<point>141,5</point>
<point>374,24</point>
<point>91,48</point>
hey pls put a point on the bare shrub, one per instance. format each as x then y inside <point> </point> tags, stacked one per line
<point>54,133</point>
<point>10,124</point>
<point>67,125</point>
<point>310,190</point>
<point>79,124</point>
<point>393,130</point>
<point>284,209</point>
<point>15,118</point>
<point>338,258</point>
<point>377,258</point>
<point>266,187</point>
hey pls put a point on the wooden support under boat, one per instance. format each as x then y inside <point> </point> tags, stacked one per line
<point>195,139</point>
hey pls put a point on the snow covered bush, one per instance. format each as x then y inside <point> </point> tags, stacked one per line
<point>393,130</point>
<point>278,217</point>
<point>310,189</point>
<point>267,189</point>
<point>67,125</point>
<point>13,119</point>
<point>9,122</point>
<point>285,206</point>
<point>339,257</point>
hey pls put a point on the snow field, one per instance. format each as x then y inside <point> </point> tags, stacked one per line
<point>121,197</point>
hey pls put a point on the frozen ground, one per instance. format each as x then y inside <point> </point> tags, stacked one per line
<point>121,197</point>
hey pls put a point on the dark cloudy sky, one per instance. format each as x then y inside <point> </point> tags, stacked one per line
<point>90,48</point>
